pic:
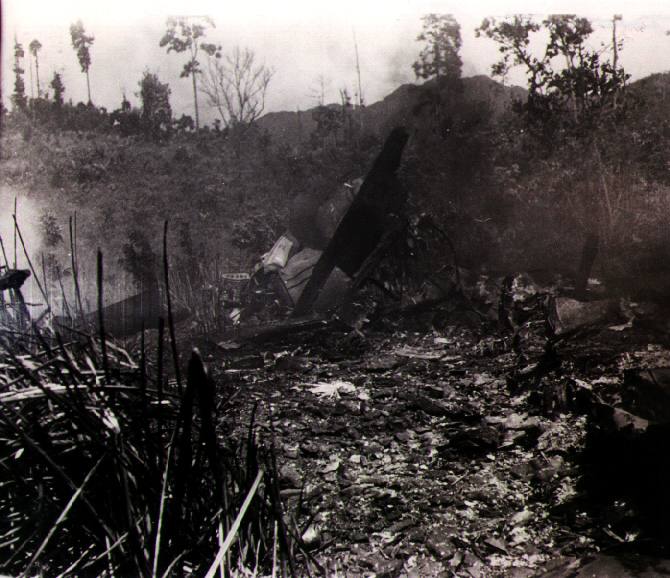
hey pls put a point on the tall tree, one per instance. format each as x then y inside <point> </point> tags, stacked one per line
<point>82,42</point>
<point>439,60</point>
<point>570,87</point>
<point>19,97</point>
<point>156,110</point>
<point>58,88</point>
<point>439,57</point>
<point>571,107</point>
<point>183,34</point>
<point>236,86</point>
<point>35,46</point>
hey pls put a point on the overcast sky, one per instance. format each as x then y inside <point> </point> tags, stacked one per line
<point>300,40</point>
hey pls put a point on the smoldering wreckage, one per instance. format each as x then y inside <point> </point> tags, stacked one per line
<point>547,385</point>
<point>360,255</point>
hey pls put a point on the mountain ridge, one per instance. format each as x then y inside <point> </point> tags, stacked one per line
<point>295,127</point>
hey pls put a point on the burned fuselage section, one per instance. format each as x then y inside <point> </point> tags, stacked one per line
<point>299,277</point>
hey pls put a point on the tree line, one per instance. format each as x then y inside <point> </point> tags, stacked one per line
<point>234,84</point>
<point>575,155</point>
<point>578,157</point>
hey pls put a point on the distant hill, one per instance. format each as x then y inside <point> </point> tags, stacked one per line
<point>657,85</point>
<point>651,98</point>
<point>398,107</point>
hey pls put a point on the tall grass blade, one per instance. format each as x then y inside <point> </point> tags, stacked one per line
<point>101,317</point>
<point>161,508</point>
<point>30,263</point>
<point>71,568</point>
<point>4,254</point>
<point>75,270</point>
<point>232,533</point>
<point>61,518</point>
<point>173,339</point>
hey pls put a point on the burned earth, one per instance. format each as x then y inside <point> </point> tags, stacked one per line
<point>443,445</point>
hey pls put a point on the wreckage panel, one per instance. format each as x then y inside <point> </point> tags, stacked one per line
<point>364,224</point>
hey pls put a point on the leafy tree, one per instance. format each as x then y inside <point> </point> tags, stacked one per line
<point>185,123</point>
<point>19,97</point>
<point>236,87</point>
<point>569,85</point>
<point>35,46</point>
<point>82,42</point>
<point>439,58</point>
<point>183,34</point>
<point>572,106</point>
<point>58,88</point>
<point>126,119</point>
<point>156,110</point>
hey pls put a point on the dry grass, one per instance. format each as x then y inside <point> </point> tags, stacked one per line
<point>105,472</point>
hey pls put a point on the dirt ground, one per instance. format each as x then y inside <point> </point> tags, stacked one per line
<point>458,451</point>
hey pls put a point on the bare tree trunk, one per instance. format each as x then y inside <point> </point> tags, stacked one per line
<point>615,53</point>
<point>88,87</point>
<point>37,76</point>
<point>32,89</point>
<point>615,48</point>
<point>195,101</point>
<point>360,88</point>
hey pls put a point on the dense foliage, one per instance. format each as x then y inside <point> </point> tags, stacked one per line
<point>156,110</point>
<point>519,179</point>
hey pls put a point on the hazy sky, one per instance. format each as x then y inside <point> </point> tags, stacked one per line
<point>300,40</point>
